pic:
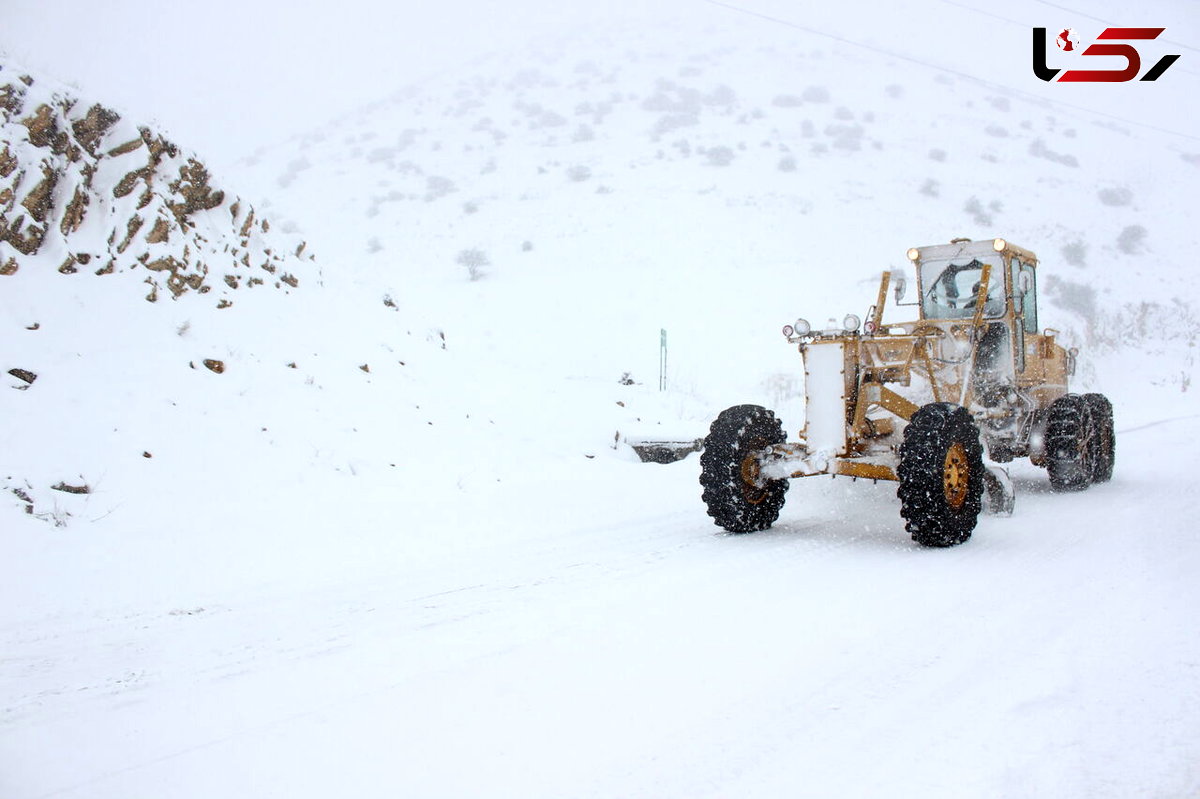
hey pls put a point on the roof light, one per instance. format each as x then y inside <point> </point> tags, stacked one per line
<point>851,322</point>
<point>788,331</point>
<point>999,244</point>
<point>913,254</point>
<point>802,327</point>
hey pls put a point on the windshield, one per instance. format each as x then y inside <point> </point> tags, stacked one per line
<point>949,287</point>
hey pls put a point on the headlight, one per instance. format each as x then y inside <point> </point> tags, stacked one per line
<point>851,323</point>
<point>999,244</point>
<point>914,254</point>
<point>802,327</point>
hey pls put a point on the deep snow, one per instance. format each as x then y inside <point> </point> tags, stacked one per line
<point>444,575</point>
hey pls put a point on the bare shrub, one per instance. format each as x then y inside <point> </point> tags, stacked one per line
<point>474,260</point>
<point>1075,253</point>
<point>1116,195</point>
<point>1132,240</point>
<point>815,94</point>
<point>719,156</point>
<point>975,208</point>
<point>1072,296</point>
<point>437,186</point>
<point>1039,150</point>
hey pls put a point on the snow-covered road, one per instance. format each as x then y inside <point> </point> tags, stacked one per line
<point>614,643</point>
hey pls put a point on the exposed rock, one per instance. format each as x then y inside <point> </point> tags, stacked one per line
<point>192,186</point>
<point>127,147</point>
<point>25,242</point>
<point>40,201</point>
<point>214,365</point>
<point>132,227</point>
<point>75,211</point>
<point>8,162</point>
<point>91,129</point>
<point>24,497</point>
<point>12,99</point>
<point>23,374</point>
<point>43,129</point>
<point>78,181</point>
<point>159,232</point>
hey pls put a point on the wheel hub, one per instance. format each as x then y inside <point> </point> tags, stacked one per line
<point>956,473</point>
<point>751,477</point>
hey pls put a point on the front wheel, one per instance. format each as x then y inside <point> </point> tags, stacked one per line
<point>941,475</point>
<point>736,499</point>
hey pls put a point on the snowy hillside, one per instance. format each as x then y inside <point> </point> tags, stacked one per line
<point>719,185</point>
<point>374,530</point>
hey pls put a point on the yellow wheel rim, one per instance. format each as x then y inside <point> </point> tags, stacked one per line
<point>750,472</point>
<point>956,473</point>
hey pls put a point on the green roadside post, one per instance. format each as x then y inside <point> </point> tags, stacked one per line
<point>662,359</point>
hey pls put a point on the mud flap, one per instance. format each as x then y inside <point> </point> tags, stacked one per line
<point>999,498</point>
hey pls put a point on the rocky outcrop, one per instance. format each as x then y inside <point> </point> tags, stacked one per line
<point>86,192</point>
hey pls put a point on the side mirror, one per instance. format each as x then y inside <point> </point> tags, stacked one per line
<point>1024,283</point>
<point>900,285</point>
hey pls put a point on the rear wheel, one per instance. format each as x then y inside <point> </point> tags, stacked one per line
<point>729,469</point>
<point>941,475</point>
<point>1104,441</point>
<point>1070,445</point>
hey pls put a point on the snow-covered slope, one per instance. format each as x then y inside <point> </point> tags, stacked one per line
<point>156,326</point>
<point>394,546</point>
<point>720,184</point>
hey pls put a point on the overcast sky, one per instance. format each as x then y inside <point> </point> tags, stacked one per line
<point>224,77</point>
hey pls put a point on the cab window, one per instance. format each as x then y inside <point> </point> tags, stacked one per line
<point>951,289</point>
<point>1025,284</point>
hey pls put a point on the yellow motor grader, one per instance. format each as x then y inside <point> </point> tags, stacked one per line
<point>919,402</point>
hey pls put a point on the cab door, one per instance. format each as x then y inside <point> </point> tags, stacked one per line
<point>1041,363</point>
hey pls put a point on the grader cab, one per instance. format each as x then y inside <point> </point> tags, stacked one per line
<point>920,402</point>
